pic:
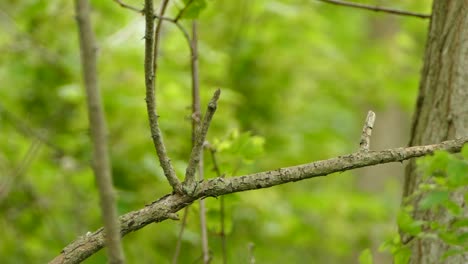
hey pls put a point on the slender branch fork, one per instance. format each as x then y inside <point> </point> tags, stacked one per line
<point>168,205</point>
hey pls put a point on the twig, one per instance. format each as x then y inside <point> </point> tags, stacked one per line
<point>175,258</point>
<point>196,122</point>
<point>152,38</point>
<point>196,116</point>
<point>221,205</point>
<point>122,4</point>
<point>101,162</point>
<point>199,140</point>
<point>86,246</point>
<point>168,19</point>
<point>377,8</point>
<point>364,144</point>
<point>182,11</point>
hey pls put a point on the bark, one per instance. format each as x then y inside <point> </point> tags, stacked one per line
<point>442,108</point>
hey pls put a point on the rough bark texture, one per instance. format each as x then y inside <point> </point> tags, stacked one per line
<point>442,106</point>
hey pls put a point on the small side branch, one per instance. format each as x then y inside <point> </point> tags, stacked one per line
<point>222,210</point>
<point>152,38</point>
<point>364,144</point>
<point>199,140</point>
<point>377,8</point>
<point>101,161</point>
<point>122,4</point>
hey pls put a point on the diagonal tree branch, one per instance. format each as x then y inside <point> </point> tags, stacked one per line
<point>377,8</point>
<point>197,149</point>
<point>97,123</point>
<point>166,206</point>
<point>152,38</point>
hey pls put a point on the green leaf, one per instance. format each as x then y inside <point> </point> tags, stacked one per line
<point>407,224</point>
<point>460,223</point>
<point>193,8</point>
<point>365,257</point>
<point>462,238</point>
<point>402,256</point>
<point>433,165</point>
<point>453,207</point>
<point>434,199</point>
<point>464,152</point>
<point>449,237</point>
<point>457,173</point>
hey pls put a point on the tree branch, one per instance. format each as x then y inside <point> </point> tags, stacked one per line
<point>197,149</point>
<point>168,19</point>
<point>377,8</point>
<point>364,144</point>
<point>222,232</point>
<point>197,123</point>
<point>122,4</point>
<point>97,123</point>
<point>161,209</point>
<point>152,38</point>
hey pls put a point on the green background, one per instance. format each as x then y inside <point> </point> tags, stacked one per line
<point>297,79</point>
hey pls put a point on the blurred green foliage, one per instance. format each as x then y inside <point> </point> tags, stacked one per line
<point>444,175</point>
<point>297,78</point>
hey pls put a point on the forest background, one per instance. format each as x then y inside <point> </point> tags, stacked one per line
<point>297,78</point>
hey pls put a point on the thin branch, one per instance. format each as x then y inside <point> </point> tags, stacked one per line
<point>168,19</point>
<point>196,116</point>
<point>122,4</point>
<point>158,211</point>
<point>222,232</point>
<point>182,11</point>
<point>196,122</point>
<point>97,122</point>
<point>181,28</point>
<point>364,144</point>
<point>377,8</point>
<point>197,149</point>
<point>152,38</point>
<point>175,258</point>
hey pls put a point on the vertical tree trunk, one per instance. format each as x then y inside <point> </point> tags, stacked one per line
<point>442,106</point>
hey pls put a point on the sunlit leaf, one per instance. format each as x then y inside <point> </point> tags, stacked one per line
<point>193,8</point>
<point>402,256</point>
<point>365,257</point>
<point>407,224</point>
<point>457,173</point>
